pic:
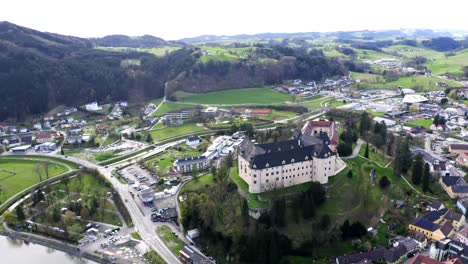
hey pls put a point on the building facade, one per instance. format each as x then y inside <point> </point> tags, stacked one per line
<point>287,163</point>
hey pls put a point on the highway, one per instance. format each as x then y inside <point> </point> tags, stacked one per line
<point>143,224</point>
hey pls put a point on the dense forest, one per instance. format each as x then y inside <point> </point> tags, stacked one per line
<point>145,41</point>
<point>39,71</point>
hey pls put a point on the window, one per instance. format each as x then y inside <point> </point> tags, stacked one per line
<point>267,174</point>
<point>277,172</point>
<point>255,182</point>
<point>255,175</point>
<point>277,178</point>
<point>267,181</point>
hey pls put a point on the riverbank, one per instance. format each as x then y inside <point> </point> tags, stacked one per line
<point>49,243</point>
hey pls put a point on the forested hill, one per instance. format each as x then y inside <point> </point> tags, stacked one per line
<point>145,41</point>
<point>39,71</point>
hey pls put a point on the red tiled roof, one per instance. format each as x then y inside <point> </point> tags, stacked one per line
<point>43,135</point>
<point>261,111</point>
<point>420,259</point>
<point>310,125</point>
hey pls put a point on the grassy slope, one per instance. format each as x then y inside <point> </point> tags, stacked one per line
<point>238,96</point>
<point>168,132</point>
<point>170,106</point>
<point>23,176</point>
<point>420,122</point>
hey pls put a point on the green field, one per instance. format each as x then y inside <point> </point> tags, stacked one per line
<point>168,132</point>
<point>224,53</point>
<point>421,122</point>
<point>451,64</point>
<point>18,174</point>
<point>199,184</point>
<point>237,96</point>
<point>171,106</point>
<point>426,83</point>
<point>104,156</point>
<point>167,158</point>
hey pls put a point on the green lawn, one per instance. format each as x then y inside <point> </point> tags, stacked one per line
<point>168,132</point>
<point>18,174</point>
<point>316,103</point>
<point>153,258</point>
<point>237,96</point>
<point>253,201</point>
<point>104,156</point>
<point>420,122</point>
<point>367,77</point>
<point>374,155</point>
<point>167,158</point>
<point>451,64</point>
<point>199,184</point>
<point>276,115</point>
<point>171,106</point>
<point>171,240</point>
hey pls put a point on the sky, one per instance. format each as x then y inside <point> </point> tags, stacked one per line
<point>175,19</point>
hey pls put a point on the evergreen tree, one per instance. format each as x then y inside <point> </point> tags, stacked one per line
<point>436,120</point>
<point>365,123</point>
<point>425,179</point>
<point>366,153</point>
<point>350,174</point>
<point>418,169</point>
<point>384,182</point>
<point>61,151</point>
<point>149,139</point>
<point>19,213</point>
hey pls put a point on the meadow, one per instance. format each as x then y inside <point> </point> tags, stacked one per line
<point>237,96</point>
<point>18,174</point>
<point>168,132</point>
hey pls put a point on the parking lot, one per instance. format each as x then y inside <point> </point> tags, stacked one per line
<point>114,244</point>
<point>135,173</point>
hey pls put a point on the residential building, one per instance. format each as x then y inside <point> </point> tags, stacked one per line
<point>462,159</point>
<point>187,165</point>
<point>421,259</point>
<point>456,149</point>
<point>380,255</point>
<point>388,122</point>
<point>92,107</point>
<point>183,113</point>
<point>47,146</point>
<point>313,128</point>
<point>282,164</point>
<point>462,236</point>
<point>210,112</point>
<point>193,141</point>
<point>462,204</point>
<point>448,249</point>
<point>435,205</point>
<point>435,164</point>
<point>438,225</point>
<point>455,186</point>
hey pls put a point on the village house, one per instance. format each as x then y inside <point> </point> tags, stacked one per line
<point>455,186</point>
<point>435,164</point>
<point>437,225</point>
<point>449,250</point>
<point>421,259</point>
<point>462,159</point>
<point>93,107</point>
<point>462,236</point>
<point>187,165</point>
<point>183,113</point>
<point>456,149</point>
<point>286,163</point>
<point>193,141</point>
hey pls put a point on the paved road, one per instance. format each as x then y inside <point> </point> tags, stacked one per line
<point>143,224</point>
<point>355,150</point>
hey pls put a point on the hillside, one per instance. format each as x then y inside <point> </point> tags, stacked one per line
<point>145,41</point>
<point>39,70</point>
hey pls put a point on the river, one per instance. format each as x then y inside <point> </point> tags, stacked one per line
<point>20,252</point>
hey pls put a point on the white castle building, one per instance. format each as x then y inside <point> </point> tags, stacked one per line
<point>304,158</point>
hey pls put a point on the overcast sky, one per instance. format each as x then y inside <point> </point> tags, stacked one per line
<point>174,19</point>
